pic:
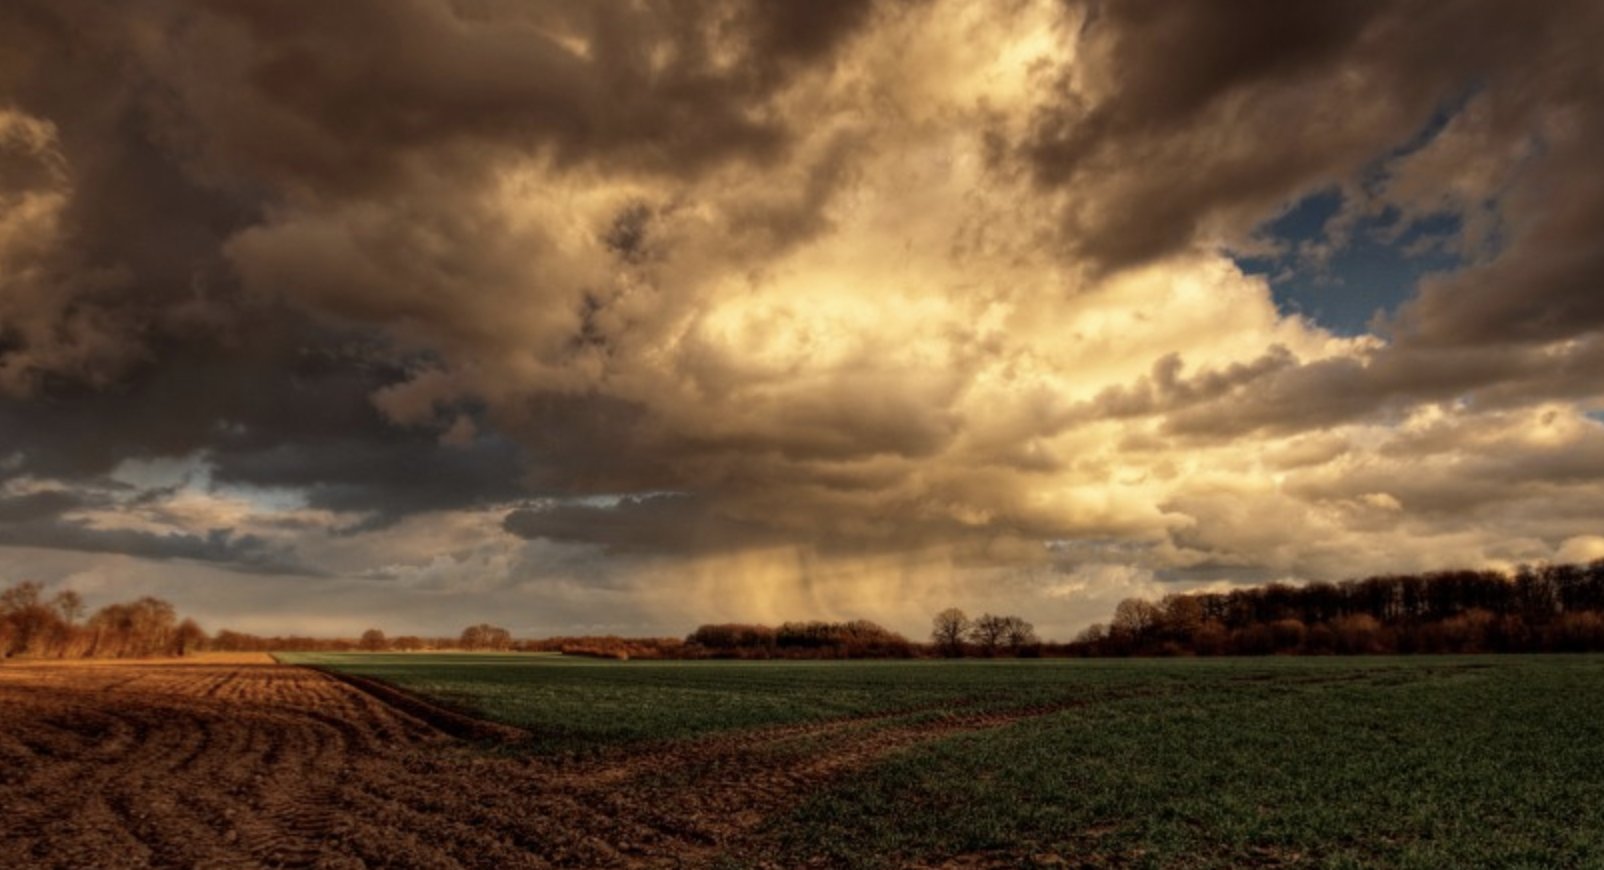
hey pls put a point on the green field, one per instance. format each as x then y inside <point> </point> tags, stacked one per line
<point>1415,762</point>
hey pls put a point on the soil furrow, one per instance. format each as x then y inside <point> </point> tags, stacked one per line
<point>263,765</point>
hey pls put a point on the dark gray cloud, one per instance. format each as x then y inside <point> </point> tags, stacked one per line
<point>661,523</point>
<point>1279,395</point>
<point>386,258</point>
<point>1454,480</point>
<point>264,415</point>
<point>1331,392</point>
<point>1199,120</point>
<point>33,506</point>
<point>1167,391</point>
<point>39,519</point>
<point>177,129</point>
<point>346,97</point>
<point>173,128</point>
<point>1217,114</point>
<point>221,547</point>
<point>1547,284</point>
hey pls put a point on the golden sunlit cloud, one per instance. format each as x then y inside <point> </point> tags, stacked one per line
<point>633,316</point>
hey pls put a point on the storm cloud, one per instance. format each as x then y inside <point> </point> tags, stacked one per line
<point>784,309</point>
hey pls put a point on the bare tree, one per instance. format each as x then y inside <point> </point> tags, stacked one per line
<point>140,628</point>
<point>1135,618</point>
<point>32,625</point>
<point>1018,634</point>
<point>20,596</point>
<point>69,604</point>
<point>188,638</point>
<point>1092,634</point>
<point>156,623</point>
<point>948,630</point>
<point>988,632</point>
<point>485,636</point>
<point>373,640</point>
<point>35,628</point>
<point>1181,615</point>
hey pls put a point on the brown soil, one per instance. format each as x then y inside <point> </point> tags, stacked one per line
<point>245,763</point>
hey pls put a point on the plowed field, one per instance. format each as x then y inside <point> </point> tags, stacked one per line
<point>244,763</point>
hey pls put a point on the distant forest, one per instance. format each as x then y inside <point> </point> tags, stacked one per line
<point>1550,608</point>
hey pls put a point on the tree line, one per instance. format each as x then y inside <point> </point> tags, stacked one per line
<point>857,639</point>
<point>55,627</point>
<point>34,625</point>
<point>953,633</point>
<point>475,638</point>
<point>1548,608</point>
<point>987,635</point>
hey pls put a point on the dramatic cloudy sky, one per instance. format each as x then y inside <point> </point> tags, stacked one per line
<point>625,316</point>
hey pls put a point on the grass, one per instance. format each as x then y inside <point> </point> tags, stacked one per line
<point>1408,762</point>
<point>576,704</point>
<point>1424,766</point>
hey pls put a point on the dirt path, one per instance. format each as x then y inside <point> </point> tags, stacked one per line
<point>249,764</point>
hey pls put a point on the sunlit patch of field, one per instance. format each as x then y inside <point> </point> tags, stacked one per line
<point>1421,762</point>
<point>201,658</point>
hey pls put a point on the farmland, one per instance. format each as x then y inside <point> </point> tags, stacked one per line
<point>1414,762</point>
<point>1422,762</point>
<point>580,704</point>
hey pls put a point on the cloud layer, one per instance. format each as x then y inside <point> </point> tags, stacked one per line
<point>640,314</point>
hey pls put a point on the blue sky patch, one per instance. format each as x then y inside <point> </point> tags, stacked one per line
<point>1378,267</point>
<point>1373,273</point>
